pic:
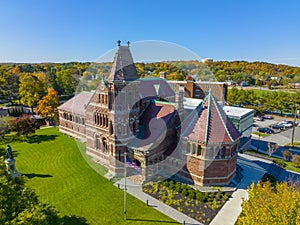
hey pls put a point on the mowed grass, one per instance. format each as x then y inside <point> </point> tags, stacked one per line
<point>61,176</point>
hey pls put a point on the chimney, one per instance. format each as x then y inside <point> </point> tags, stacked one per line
<point>179,101</point>
<point>162,75</point>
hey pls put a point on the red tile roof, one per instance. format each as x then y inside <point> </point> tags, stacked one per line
<point>77,104</point>
<point>208,123</point>
<point>154,122</point>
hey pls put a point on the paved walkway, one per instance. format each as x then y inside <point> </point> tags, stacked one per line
<point>136,191</point>
<point>252,171</point>
<point>232,208</point>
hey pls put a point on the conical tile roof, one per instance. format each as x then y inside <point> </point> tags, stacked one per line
<point>208,123</point>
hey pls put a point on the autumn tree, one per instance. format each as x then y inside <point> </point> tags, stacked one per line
<point>31,89</point>
<point>279,205</point>
<point>296,159</point>
<point>286,155</point>
<point>47,107</point>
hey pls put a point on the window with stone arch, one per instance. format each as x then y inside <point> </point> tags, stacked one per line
<point>104,144</point>
<point>223,152</point>
<point>97,142</point>
<point>188,147</point>
<point>194,149</point>
<point>199,150</point>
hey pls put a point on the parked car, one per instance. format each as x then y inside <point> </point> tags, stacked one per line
<point>258,118</point>
<point>278,126</point>
<point>265,130</point>
<point>286,124</point>
<point>268,117</point>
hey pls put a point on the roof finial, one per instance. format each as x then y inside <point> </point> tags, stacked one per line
<point>128,43</point>
<point>119,43</point>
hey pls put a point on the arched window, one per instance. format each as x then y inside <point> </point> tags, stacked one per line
<point>95,118</point>
<point>199,150</point>
<point>194,149</point>
<point>223,152</point>
<point>97,142</point>
<point>188,147</point>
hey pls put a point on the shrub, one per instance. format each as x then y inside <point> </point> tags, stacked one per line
<point>286,155</point>
<point>296,159</point>
<point>280,163</point>
<point>171,184</point>
<point>226,197</point>
<point>191,194</point>
<point>184,192</point>
<point>219,195</point>
<point>215,204</point>
<point>200,196</point>
<point>178,187</point>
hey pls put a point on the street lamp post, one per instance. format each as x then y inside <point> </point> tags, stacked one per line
<point>294,125</point>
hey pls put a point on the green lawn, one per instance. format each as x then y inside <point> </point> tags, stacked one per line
<point>260,134</point>
<point>61,176</point>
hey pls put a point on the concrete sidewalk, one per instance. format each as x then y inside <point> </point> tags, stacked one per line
<point>136,191</point>
<point>232,208</point>
<point>229,213</point>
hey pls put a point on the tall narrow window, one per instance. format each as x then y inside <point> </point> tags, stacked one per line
<point>188,147</point>
<point>199,151</point>
<point>194,149</point>
<point>223,152</point>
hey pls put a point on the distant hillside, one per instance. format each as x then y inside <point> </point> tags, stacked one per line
<point>251,72</point>
<point>66,78</point>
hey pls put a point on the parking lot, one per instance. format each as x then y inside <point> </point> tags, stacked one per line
<point>279,137</point>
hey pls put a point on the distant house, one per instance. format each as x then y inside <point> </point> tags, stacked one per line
<point>206,60</point>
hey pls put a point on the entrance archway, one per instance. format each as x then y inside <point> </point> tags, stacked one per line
<point>137,162</point>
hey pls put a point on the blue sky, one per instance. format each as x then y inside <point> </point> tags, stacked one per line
<point>62,31</point>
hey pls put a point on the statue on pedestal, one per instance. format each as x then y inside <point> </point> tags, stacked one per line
<point>10,162</point>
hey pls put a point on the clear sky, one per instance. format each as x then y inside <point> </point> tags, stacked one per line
<point>62,30</point>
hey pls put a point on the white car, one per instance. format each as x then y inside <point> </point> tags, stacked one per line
<point>286,124</point>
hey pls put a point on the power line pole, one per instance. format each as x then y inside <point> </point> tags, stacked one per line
<point>294,124</point>
<point>124,185</point>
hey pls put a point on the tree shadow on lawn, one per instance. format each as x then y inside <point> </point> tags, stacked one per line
<point>40,138</point>
<point>71,220</point>
<point>156,221</point>
<point>32,175</point>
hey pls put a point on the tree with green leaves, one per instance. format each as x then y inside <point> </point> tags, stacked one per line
<point>4,125</point>
<point>31,89</point>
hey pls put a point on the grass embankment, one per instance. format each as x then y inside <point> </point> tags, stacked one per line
<point>61,176</point>
<point>260,134</point>
<point>288,165</point>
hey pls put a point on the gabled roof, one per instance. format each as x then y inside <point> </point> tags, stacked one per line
<point>208,123</point>
<point>155,87</point>
<point>77,104</point>
<point>123,67</point>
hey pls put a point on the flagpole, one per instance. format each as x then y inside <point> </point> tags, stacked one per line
<point>124,185</point>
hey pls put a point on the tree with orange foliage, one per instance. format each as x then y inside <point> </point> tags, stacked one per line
<point>47,107</point>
